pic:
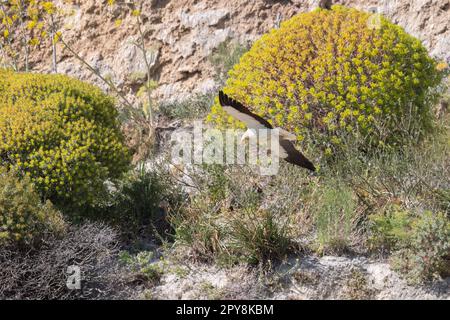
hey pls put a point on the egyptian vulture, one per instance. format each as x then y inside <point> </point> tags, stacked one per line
<point>254,122</point>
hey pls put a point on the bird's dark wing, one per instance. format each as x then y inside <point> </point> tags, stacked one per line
<point>290,154</point>
<point>241,113</point>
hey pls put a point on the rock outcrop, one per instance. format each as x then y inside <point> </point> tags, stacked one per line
<point>183,33</point>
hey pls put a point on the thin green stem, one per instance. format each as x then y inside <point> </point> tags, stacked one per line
<point>97,73</point>
<point>148,66</point>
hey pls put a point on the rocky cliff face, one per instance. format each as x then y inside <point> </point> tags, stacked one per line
<point>183,33</point>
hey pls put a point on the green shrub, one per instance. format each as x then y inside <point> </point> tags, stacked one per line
<point>417,175</point>
<point>24,220</point>
<point>420,243</point>
<point>143,265</point>
<point>430,245</point>
<point>391,229</point>
<point>194,107</point>
<point>199,224</point>
<point>260,236</point>
<point>334,215</point>
<point>142,200</point>
<point>62,133</point>
<point>325,75</point>
<point>225,220</point>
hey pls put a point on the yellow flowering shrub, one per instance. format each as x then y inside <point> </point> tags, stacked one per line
<point>23,26</point>
<point>327,74</point>
<point>24,219</point>
<point>62,133</point>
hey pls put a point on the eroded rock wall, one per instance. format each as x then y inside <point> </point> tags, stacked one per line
<point>183,33</point>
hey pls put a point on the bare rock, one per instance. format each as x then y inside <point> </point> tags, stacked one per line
<point>185,32</point>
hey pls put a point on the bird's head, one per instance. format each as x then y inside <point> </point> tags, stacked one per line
<point>250,133</point>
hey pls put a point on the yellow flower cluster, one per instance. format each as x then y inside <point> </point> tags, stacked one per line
<point>24,219</point>
<point>326,72</point>
<point>24,19</point>
<point>60,132</point>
